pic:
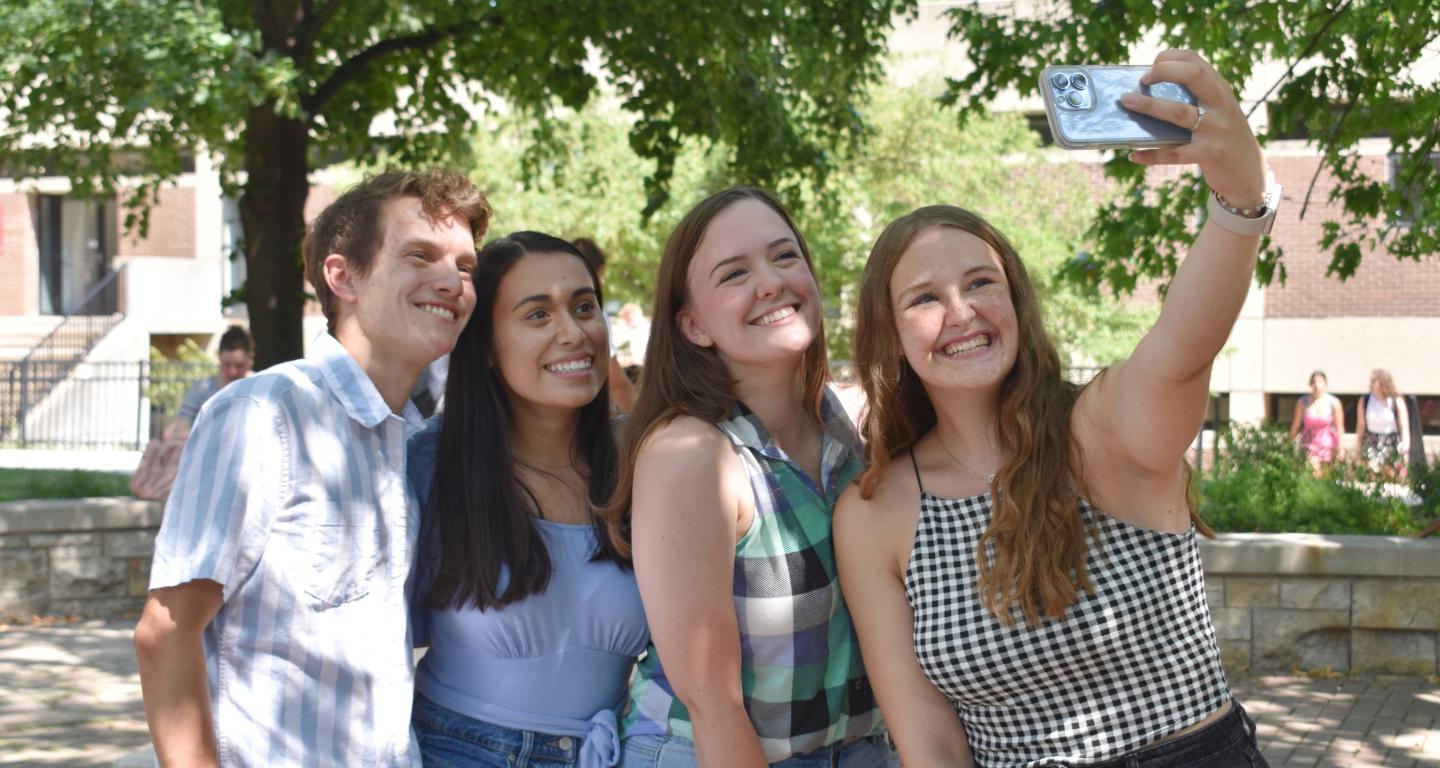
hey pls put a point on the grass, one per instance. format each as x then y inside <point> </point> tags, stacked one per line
<point>18,484</point>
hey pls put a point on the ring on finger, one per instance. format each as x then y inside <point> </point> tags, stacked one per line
<point>1199,117</point>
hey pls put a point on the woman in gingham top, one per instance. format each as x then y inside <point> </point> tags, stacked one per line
<point>984,579</point>
<point>735,454</point>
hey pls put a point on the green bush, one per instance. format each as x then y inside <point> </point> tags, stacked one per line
<point>1261,482</point>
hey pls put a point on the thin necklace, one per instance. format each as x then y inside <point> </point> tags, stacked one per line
<point>989,479</point>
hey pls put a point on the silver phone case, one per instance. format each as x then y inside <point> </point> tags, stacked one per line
<point>1100,122</point>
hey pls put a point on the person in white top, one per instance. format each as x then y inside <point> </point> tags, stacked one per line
<point>1383,424</point>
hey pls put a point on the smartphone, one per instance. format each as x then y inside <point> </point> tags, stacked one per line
<point>1082,103</point>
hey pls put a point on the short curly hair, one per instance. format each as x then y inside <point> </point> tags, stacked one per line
<point>350,226</point>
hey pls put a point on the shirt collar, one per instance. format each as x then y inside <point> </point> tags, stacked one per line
<point>353,387</point>
<point>839,442</point>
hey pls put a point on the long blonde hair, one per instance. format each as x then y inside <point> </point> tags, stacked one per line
<point>1038,538</point>
<point>682,378</point>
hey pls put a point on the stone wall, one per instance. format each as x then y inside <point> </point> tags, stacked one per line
<point>1303,601</point>
<point>84,557</point>
<point>1279,601</point>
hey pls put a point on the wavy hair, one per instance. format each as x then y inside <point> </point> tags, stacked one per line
<point>1037,538</point>
<point>683,378</point>
<point>1386,381</point>
<point>477,500</point>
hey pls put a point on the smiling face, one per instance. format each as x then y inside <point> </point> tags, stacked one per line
<point>751,295</point>
<point>412,304</point>
<point>551,344</point>
<point>953,313</point>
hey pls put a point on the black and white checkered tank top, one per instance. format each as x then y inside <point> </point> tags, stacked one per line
<point>1124,667</point>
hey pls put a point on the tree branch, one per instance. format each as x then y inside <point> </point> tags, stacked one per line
<point>309,31</point>
<point>1325,155</point>
<point>357,64</point>
<point>1304,54</point>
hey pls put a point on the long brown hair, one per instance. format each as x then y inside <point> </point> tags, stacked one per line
<point>682,378</point>
<point>1038,538</point>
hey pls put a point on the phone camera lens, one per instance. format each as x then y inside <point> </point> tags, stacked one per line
<point>1074,99</point>
<point>1060,80</point>
<point>1079,81</point>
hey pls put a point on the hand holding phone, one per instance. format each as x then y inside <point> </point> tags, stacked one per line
<point>1082,103</point>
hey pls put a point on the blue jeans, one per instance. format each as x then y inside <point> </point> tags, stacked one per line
<point>649,751</point>
<point>1226,743</point>
<point>448,738</point>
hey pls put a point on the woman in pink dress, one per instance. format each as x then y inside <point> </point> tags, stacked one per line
<point>1320,422</point>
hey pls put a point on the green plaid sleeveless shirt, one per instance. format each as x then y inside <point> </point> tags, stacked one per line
<point>800,669</point>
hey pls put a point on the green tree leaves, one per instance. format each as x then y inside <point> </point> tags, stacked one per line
<point>1353,70</point>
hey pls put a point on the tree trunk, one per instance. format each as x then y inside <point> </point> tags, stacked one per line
<point>272,209</point>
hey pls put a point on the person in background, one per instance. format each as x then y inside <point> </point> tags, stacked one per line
<point>237,356</point>
<point>1022,556</point>
<point>276,630</point>
<point>631,336</point>
<point>155,473</point>
<point>622,389</point>
<point>532,618</point>
<point>1382,420</point>
<point>734,456</point>
<point>1320,423</point>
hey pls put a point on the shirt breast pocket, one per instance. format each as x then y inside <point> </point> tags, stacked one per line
<point>343,557</point>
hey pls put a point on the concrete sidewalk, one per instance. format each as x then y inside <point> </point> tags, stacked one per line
<point>69,695</point>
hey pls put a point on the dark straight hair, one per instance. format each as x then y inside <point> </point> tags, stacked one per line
<point>477,501</point>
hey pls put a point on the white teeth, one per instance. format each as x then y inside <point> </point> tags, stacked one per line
<point>775,316</point>
<point>437,311</point>
<point>571,366</point>
<point>966,346</point>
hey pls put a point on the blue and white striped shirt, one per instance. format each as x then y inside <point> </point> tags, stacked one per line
<point>291,494</point>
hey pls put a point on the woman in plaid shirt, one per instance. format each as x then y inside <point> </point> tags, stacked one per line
<point>736,453</point>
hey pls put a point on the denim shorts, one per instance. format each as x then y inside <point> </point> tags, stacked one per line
<point>448,738</point>
<point>1226,743</point>
<point>650,751</point>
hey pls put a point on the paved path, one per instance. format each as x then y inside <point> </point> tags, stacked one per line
<point>69,695</point>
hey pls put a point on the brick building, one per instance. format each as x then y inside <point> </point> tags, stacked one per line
<point>55,248</point>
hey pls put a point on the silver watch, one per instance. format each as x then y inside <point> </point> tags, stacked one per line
<point>1256,220</point>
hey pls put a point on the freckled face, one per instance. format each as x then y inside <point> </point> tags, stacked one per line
<point>752,297</point>
<point>551,343</point>
<point>953,313</point>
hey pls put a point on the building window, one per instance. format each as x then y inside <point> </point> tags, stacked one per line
<point>1414,206</point>
<point>232,251</point>
<point>76,238</point>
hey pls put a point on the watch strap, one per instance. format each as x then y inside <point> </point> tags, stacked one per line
<point>1252,221</point>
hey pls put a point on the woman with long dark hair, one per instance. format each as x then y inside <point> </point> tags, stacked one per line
<point>531,614</point>
<point>1021,555</point>
<point>735,453</point>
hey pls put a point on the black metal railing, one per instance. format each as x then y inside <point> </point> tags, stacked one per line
<point>96,406</point>
<point>28,382</point>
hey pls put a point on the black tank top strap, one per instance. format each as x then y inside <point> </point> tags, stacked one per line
<point>916,466</point>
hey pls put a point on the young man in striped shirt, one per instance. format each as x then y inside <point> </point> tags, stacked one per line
<point>276,633</point>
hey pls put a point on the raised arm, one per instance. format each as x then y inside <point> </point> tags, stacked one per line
<point>872,544</point>
<point>1149,407</point>
<point>689,507</point>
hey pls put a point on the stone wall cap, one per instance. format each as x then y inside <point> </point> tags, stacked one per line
<point>46,515</point>
<point>1314,554</point>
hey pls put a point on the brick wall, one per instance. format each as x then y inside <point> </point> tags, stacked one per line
<point>171,231</point>
<point>19,256</point>
<point>1381,287</point>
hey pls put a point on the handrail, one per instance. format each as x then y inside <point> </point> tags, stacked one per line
<point>103,299</point>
